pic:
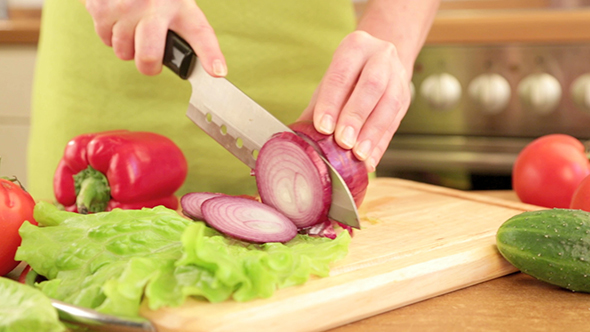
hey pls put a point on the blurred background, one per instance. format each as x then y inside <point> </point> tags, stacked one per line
<point>493,75</point>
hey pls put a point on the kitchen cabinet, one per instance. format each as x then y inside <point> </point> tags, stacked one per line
<point>17,64</point>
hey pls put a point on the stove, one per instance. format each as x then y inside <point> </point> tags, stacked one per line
<point>477,104</point>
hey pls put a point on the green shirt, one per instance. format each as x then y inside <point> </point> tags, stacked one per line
<point>276,51</point>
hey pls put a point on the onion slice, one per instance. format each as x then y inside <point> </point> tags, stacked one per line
<point>191,204</point>
<point>292,178</point>
<point>247,219</point>
<point>351,169</point>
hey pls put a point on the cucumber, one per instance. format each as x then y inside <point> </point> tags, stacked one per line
<point>550,245</point>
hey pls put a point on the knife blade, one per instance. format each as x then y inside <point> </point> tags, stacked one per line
<point>238,123</point>
<point>97,321</point>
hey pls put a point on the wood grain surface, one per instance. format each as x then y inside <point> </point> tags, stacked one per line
<point>418,241</point>
<point>516,302</point>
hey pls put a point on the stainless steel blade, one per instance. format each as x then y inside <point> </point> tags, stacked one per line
<point>242,126</point>
<point>229,116</point>
<point>97,321</point>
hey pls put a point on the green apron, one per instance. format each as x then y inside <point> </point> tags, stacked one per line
<point>276,51</point>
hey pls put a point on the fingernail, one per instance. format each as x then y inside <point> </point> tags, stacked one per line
<point>363,149</point>
<point>327,124</point>
<point>348,137</point>
<point>372,164</point>
<point>219,68</point>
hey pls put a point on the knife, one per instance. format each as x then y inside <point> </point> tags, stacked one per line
<point>97,321</point>
<point>238,123</point>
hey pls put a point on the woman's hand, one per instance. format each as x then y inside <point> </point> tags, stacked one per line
<point>136,29</point>
<point>363,96</point>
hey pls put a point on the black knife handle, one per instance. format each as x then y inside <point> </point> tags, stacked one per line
<point>178,55</point>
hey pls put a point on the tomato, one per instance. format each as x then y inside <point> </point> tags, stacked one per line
<point>581,197</point>
<point>16,206</point>
<point>549,169</point>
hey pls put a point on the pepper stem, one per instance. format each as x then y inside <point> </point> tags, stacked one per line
<point>92,191</point>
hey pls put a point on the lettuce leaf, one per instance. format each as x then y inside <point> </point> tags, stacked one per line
<point>111,261</point>
<point>24,309</point>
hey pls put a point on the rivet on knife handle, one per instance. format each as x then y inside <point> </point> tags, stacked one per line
<point>178,55</point>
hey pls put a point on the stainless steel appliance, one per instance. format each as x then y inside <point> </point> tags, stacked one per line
<point>477,105</point>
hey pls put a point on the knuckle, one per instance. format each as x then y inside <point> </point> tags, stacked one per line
<point>147,62</point>
<point>149,69</point>
<point>391,49</point>
<point>375,83</point>
<point>337,78</point>
<point>395,105</point>
<point>357,37</point>
<point>126,6</point>
<point>382,127</point>
<point>354,41</point>
<point>326,106</point>
<point>356,115</point>
<point>121,35</point>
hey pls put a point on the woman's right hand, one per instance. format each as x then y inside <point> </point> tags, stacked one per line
<point>136,29</point>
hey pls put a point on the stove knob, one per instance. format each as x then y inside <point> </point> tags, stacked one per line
<point>540,92</point>
<point>491,92</point>
<point>581,92</point>
<point>442,91</point>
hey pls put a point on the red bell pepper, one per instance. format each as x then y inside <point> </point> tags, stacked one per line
<point>119,169</point>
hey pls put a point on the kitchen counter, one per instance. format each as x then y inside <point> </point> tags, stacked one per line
<point>22,27</point>
<point>516,302</point>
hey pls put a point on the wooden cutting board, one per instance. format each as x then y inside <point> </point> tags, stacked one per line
<point>417,241</point>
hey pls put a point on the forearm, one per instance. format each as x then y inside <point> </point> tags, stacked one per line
<point>401,22</point>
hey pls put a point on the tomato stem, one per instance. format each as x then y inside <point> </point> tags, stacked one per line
<point>13,179</point>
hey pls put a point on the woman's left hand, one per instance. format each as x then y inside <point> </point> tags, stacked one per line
<point>363,96</point>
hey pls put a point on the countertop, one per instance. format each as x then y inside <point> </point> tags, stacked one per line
<point>516,302</point>
<point>22,27</point>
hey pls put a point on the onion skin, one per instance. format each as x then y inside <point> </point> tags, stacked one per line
<point>292,178</point>
<point>247,219</point>
<point>352,170</point>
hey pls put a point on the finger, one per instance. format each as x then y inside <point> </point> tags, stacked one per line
<point>123,39</point>
<point>104,18</point>
<point>192,25</point>
<point>367,93</point>
<point>307,114</point>
<point>380,149</point>
<point>337,84</point>
<point>382,143</point>
<point>150,39</point>
<point>392,105</point>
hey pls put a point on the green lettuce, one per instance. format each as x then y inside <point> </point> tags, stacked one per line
<point>111,261</point>
<point>24,309</point>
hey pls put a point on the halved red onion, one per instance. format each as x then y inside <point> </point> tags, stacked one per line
<point>292,178</point>
<point>247,219</point>
<point>191,203</point>
<point>351,169</point>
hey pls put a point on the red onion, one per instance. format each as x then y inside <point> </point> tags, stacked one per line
<point>191,204</point>
<point>351,169</point>
<point>292,178</point>
<point>323,229</point>
<point>247,219</point>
